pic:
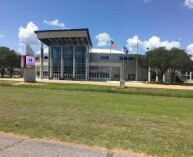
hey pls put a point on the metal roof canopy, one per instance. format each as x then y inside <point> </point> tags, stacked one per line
<point>65,37</point>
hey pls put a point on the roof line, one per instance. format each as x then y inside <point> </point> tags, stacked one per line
<point>58,30</point>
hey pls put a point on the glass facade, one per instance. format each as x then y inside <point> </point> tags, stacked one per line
<point>80,62</point>
<point>56,57</point>
<point>68,62</point>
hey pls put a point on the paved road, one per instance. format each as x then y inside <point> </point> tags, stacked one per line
<point>14,146</point>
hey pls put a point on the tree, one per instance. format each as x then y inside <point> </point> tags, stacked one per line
<point>3,51</point>
<point>162,59</point>
<point>9,59</point>
<point>179,61</point>
<point>142,61</point>
<point>158,59</point>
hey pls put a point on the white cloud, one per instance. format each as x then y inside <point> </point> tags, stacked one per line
<point>134,41</point>
<point>189,3</point>
<point>132,44</point>
<point>55,22</point>
<point>190,49</point>
<point>170,45</point>
<point>26,34</point>
<point>103,39</point>
<point>153,42</point>
<point>1,36</point>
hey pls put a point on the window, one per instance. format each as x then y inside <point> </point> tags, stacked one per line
<point>46,68</point>
<point>56,61</point>
<point>45,73</point>
<point>80,57</point>
<point>121,58</point>
<point>99,75</point>
<point>131,77</point>
<point>131,58</point>
<point>94,68</point>
<point>68,60</point>
<point>45,57</point>
<point>37,58</point>
<point>116,76</point>
<point>104,57</point>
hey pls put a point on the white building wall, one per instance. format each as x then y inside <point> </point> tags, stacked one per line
<point>102,66</point>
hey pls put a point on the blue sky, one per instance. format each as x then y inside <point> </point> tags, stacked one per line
<point>152,23</point>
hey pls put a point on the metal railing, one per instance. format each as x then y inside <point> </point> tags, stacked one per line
<point>68,76</point>
<point>80,76</point>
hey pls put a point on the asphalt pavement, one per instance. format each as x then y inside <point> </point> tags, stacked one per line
<point>16,146</point>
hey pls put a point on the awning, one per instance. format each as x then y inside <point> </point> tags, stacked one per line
<point>65,37</point>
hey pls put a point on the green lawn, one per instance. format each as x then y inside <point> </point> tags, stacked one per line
<point>154,121</point>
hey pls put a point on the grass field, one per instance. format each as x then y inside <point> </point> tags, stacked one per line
<point>154,121</point>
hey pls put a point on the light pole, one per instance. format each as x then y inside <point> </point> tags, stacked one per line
<point>148,67</point>
<point>122,80</point>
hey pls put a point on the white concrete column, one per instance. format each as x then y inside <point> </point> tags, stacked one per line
<point>164,78</point>
<point>156,79</point>
<point>149,74</point>
<point>87,54</point>
<point>190,76</point>
<point>186,73</point>
<point>74,62</point>
<point>51,62</point>
<point>41,61</point>
<point>121,73</point>
<point>62,64</point>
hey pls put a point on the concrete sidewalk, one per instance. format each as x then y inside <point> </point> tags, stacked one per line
<point>16,146</point>
<point>109,83</point>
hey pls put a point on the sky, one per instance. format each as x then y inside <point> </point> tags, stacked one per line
<point>146,23</point>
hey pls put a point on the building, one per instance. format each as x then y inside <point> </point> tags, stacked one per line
<point>99,66</point>
<point>71,57</point>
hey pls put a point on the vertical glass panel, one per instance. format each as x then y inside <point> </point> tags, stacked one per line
<point>68,59</point>
<point>80,59</point>
<point>56,54</point>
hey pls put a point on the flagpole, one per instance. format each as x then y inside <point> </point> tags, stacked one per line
<point>136,66</point>
<point>122,84</point>
<point>110,70</point>
<point>123,68</point>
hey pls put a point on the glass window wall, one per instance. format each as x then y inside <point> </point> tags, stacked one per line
<point>56,54</point>
<point>80,62</point>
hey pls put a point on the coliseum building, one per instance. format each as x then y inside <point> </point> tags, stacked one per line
<point>71,56</point>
